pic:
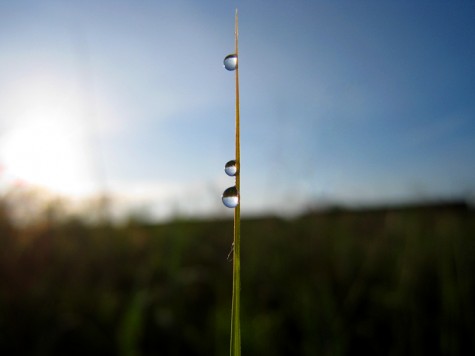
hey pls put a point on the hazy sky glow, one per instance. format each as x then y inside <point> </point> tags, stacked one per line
<point>354,102</point>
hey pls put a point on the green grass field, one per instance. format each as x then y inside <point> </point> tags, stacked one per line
<point>374,282</point>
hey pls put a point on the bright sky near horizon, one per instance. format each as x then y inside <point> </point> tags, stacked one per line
<point>351,102</point>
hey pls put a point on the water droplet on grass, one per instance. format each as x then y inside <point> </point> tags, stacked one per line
<point>231,197</point>
<point>230,168</point>
<point>230,62</point>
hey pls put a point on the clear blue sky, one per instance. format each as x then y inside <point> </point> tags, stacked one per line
<point>354,102</point>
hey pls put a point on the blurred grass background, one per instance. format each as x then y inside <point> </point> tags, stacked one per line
<point>389,281</point>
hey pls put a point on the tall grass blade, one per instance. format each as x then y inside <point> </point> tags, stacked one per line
<point>236,300</point>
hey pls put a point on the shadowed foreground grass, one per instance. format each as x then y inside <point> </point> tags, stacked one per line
<point>380,282</point>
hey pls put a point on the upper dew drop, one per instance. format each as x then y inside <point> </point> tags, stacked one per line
<point>231,62</point>
<point>231,197</point>
<point>231,168</point>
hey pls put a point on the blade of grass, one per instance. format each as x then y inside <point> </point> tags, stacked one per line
<point>236,299</point>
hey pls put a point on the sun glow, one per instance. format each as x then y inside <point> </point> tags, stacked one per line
<point>47,148</point>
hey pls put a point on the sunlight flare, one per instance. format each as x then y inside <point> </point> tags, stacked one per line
<point>46,148</point>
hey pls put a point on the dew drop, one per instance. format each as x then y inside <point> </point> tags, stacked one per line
<point>231,197</point>
<point>231,62</point>
<point>230,168</point>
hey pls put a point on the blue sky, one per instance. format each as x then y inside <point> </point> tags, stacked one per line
<point>350,102</point>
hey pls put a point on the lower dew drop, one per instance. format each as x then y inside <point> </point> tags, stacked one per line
<point>231,168</point>
<point>231,197</point>
<point>230,62</point>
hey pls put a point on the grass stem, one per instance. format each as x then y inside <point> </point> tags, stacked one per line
<point>236,299</point>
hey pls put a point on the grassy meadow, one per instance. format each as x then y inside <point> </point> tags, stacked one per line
<point>397,281</point>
